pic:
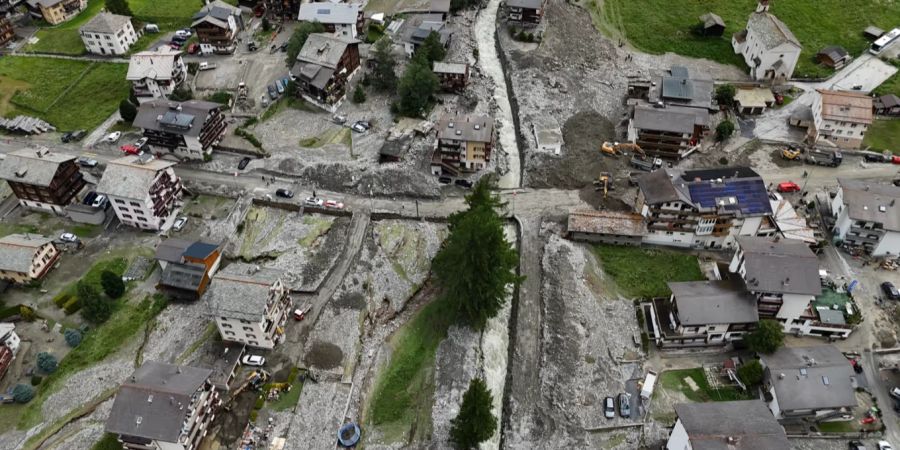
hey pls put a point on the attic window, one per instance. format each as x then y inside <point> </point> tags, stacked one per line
<point>882,208</point>
<point>803,371</point>
<point>458,132</point>
<point>21,173</point>
<point>138,420</point>
<point>150,398</point>
<point>825,380</point>
<point>477,127</point>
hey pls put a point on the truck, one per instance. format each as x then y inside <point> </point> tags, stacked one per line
<point>207,66</point>
<point>648,384</point>
<point>824,157</point>
<point>646,163</point>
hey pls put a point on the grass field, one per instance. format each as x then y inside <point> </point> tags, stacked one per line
<point>167,13</point>
<point>673,380</point>
<point>64,38</point>
<point>659,26</point>
<point>642,272</point>
<point>67,94</point>
<point>884,134</point>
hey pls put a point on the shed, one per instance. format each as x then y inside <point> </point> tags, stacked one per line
<point>712,25</point>
<point>833,56</point>
<point>754,100</point>
<point>873,33</point>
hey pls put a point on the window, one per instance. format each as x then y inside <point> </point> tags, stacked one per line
<point>248,329</point>
<point>134,204</point>
<point>127,216</point>
<point>229,333</point>
<point>253,343</point>
<point>226,325</point>
<point>120,201</point>
<point>251,336</point>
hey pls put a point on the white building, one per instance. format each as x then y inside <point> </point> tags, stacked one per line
<point>342,19</point>
<point>9,338</point>
<point>188,129</point>
<point>734,425</point>
<point>249,305</point>
<point>767,45</point>
<point>840,118</point>
<point>156,74</point>
<point>108,34</point>
<point>868,215</point>
<point>25,258</point>
<point>144,191</point>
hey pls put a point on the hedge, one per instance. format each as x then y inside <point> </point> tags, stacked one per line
<point>72,306</point>
<point>61,299</point>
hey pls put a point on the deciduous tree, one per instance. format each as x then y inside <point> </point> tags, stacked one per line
<point>112,284</point>
<point>416,87</point>
<point>384,78</point>
<point>766,338</point>
<point>724,130</point>
<point>94,308</point>
<point>127,110</point>
<point>119,7</point>
<point>751,373</point>
<point>725,95</point>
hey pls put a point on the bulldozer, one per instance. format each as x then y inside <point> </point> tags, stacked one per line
<point>790,153</point>
<point>615,148</point>
<point>604,182</point>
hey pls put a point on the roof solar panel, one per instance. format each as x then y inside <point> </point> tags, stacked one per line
<point>751,195</point>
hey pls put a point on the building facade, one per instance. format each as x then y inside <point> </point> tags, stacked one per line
<point>217,25</point>
<point>187,267</point>
<point>768,46</point>
<point>108,34</point>
<point>55,12</point>
<point>526,11</point>
<point>867,215</point>
<point>144,191</point>
<point>26,257</point>
<point>324,67</point>
<point>341,19</point>
<point>840,118</point>
<point>156,74</point>
<point>7,33</point>
<point>609,227</point>
<point>464,144</point>
<point>249,306</point>
<point>189,130</point>
<point>669,132</point>
<point>42,179</point>
<point>733,425</point>
<point>452,76</point>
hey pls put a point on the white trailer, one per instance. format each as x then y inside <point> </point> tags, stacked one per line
<point>647,386</point>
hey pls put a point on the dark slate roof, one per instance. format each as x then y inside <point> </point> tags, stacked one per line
<point>817,377</point>
<point>658,187</point>
<point>872,202</point>
<point>324,49</point>
<point>35,170</point>
<point>171,249</point>
<point>887,101</point>
<point>153,402</point>
<point>834,52</point>
<point>238,293</point>
<point>672,119</point>
<point>17,251</point>
<point>710,19</point>
<point>735,425</point>
<point>200,249</point>
<point>217,9</point>
<point>183,276</point>
<point>771,31</point>
<point>185,118</point>
<point>466,128</point>
<point>105,23</point>
<point>780,265</point>
<point>713,302</point>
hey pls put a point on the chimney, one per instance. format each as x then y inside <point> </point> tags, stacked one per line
<point>780,376</point>
<point>762,6</point>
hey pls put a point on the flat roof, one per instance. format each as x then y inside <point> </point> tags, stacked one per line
<point>713,302</point>
<point>607,222</point>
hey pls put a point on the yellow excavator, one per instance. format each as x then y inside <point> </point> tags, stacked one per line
<point>790,153</point>
<point>615,148</point>
<point>604,182</point>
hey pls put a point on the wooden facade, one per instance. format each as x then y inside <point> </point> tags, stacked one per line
<point>66,183</point>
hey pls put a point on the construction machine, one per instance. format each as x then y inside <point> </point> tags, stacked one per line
<point>604,182</point>
<point>615,148</point>
<point>790,153</point>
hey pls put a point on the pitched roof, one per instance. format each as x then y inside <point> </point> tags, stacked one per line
<point>447,67</point>
<point>153,402</point>
<point>324,49</point>
<point>834,52</point>
<point>329,13</point>
<point>127,177</point>
<point>871,202</point>
<point>672,119</point>
<point>771,31</point>
<point>607,222</point>
<point>171,249</point>
<point>466,128</point>
<point>35,167</point>
<point>105,23</point>
<point>528,4</point>
<point>17,251</point>
<point>657,187</point>
<point>154,64</point>
<point>711,19</point>
<point>713,302</point>
<point>241,292</point>
<point>817,377</point>
<point>734,425</point>
<point>728,189</point>
<point>780,265</point>
<point>887,101</point>
<point>185,118</point>
<point>846,106</point>
<point>183,276</point>
<point>416,27</point>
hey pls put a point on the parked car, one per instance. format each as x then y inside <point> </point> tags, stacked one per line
<point>141,143</point>
<point>151,28</point>
<point>193,48</point>
<point>179,223</point>
<point>68,237</point>
<point>175,45</point>
<point>313,201</point>
<point>895,159</point>
<point>299,314</point>
<point>130,149</point>
<point>890,290</point>
<point>89,198</point>
<point>243,164</point>
<point>609,408</point>
<point>112,137</point>
<point>788,186</point>
<point>869,157</point>
<point>273,92</point>
<point>183,33</point>
<point>896,182</point>
<point>463,183</point>
<point>253,360</point>
<point>364,123</point>
<point>251,46</point>
<point>279,87</point>
<point>624,405</point>
<point>334,204</point>
<point>84,161</point>
<point>895,392</point>
<point>884,445</point>
<point>99,201</point>
<point>339,119</point>
<point>284,193</point>
<point>358,128</point>
<point>444,180</point>
<point>78,135</point>
<point>856,445</point>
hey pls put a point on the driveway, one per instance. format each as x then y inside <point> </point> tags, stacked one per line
<point>867,71</point>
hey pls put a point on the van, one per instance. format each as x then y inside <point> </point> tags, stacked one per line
<point>151,28</point>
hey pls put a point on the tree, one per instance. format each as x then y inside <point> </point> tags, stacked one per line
<point>181,94</point>
<point>301,33</point>
<point>119,7</point>
<point>359,95</point>
<point>112,284</point>
<point>416,87</point>
<point>432,49</point>
<point>475,423</point>
<point>383,76</point>
<point>23,393</point>
<point>751,373</point>
<point>766,338</point>
<point>724,130</point>
<point>725,95</point>
<point>475,265</point>
<point>266,26</point>
<point>73,337</point>
<point>94,308</point>
<point>46,362</point>
<point>127,110</point>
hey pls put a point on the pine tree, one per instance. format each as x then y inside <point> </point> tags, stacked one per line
<point>416,87</point>
<point>112,284</point>
<point>119,7</point>
<point>432,49</point>
<point>94,308</point>
<point>475,423</point>
<point>383,76</point>
<point>127,110</point>
<point>359,95</point>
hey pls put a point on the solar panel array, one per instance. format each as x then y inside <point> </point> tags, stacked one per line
<point>751,195</point>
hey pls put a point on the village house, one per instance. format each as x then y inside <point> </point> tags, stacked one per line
<point>280,9</point>
<point>55,12</point>
<point>833,56</point>
<point>9,338</point>
<point>768,46</point>
<point>753,100</point>
<point>809,384</point>
<point>156,74</point>
<point>886,105</point>
<point>732,425</point>
<point>187,266</point>
<point>464,144</point>
<point>342,19</point>
<point>188,129</point>
<point>840,118</point>
<point>324,67</point>
<point>144,191</point>
<point>453,76</point>
<point>217,25</point>
<point>867,215</point>
<point>703,208</point>
<point>609,227</point>
<point>7,33</point>
<point>528,12</point>
<point>26,257</point>
<point>669,132</point>
<point>164,406</point>
<point>6,358</point>
<point>249,305</point>
<point>108,34</point>
<point>680,87</point>
<point>42,179</point>
<point>412,30</point>
<point>712,25</point>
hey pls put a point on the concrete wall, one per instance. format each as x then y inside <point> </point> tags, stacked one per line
<point>889,244</point>
<point>679,439</point>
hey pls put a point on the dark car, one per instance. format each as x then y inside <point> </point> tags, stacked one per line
<point>251,47</point>
<point>463,183</point>
<point>273,91</point>
<point>444,180</point>
<point>243,164</point>
<point>609,408</point>
<point>78,135</point>
<point>284,193</point>
<point>897,182</point>
<point>66,137</point>
<point>874,158</point>
<point>856,445</point>
<point>890,290</point>
<point>624,405</point>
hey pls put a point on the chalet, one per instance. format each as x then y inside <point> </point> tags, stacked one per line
<point>808,384</point>
<point>886,105</point>
<point>712,25</point>
<point>7,33</point>
<point>703,313</point>
<point>732,425</point>
<point>26,257</point>
<point>144,191</point>
<point>188,129</point>
<point>217,25</point>
<point>156,74</point>
<point>833,56</point>
<point>55,12</point>
<point>611,227</point>
<point>341,19</point>
<point>283,9</point>
<point>453,76</point>
<point>464,144</point>
<point>187,266</point>
<point>669,132</point>
<point>164,406</point>
<point>9,338</point>
<point>840,118</point>
<point>768,46</point>
<point>415,28</point>
<point>680,87</point>
<point>108,34</point>
<point>324,66</point>
<point>867,215</point>
<point>526,11</point>
<point>42,179</point>
<point>250,306</point>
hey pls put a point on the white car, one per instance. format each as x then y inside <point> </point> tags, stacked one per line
<point>179,223</point>
<point>99,201</point>
<point>253,360</point>
<point>313,201</point>
<point>884,445</point>
<point>68,237</point>
<point>113,137</point>
<point>183,33</point>
<point>895,392</point>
